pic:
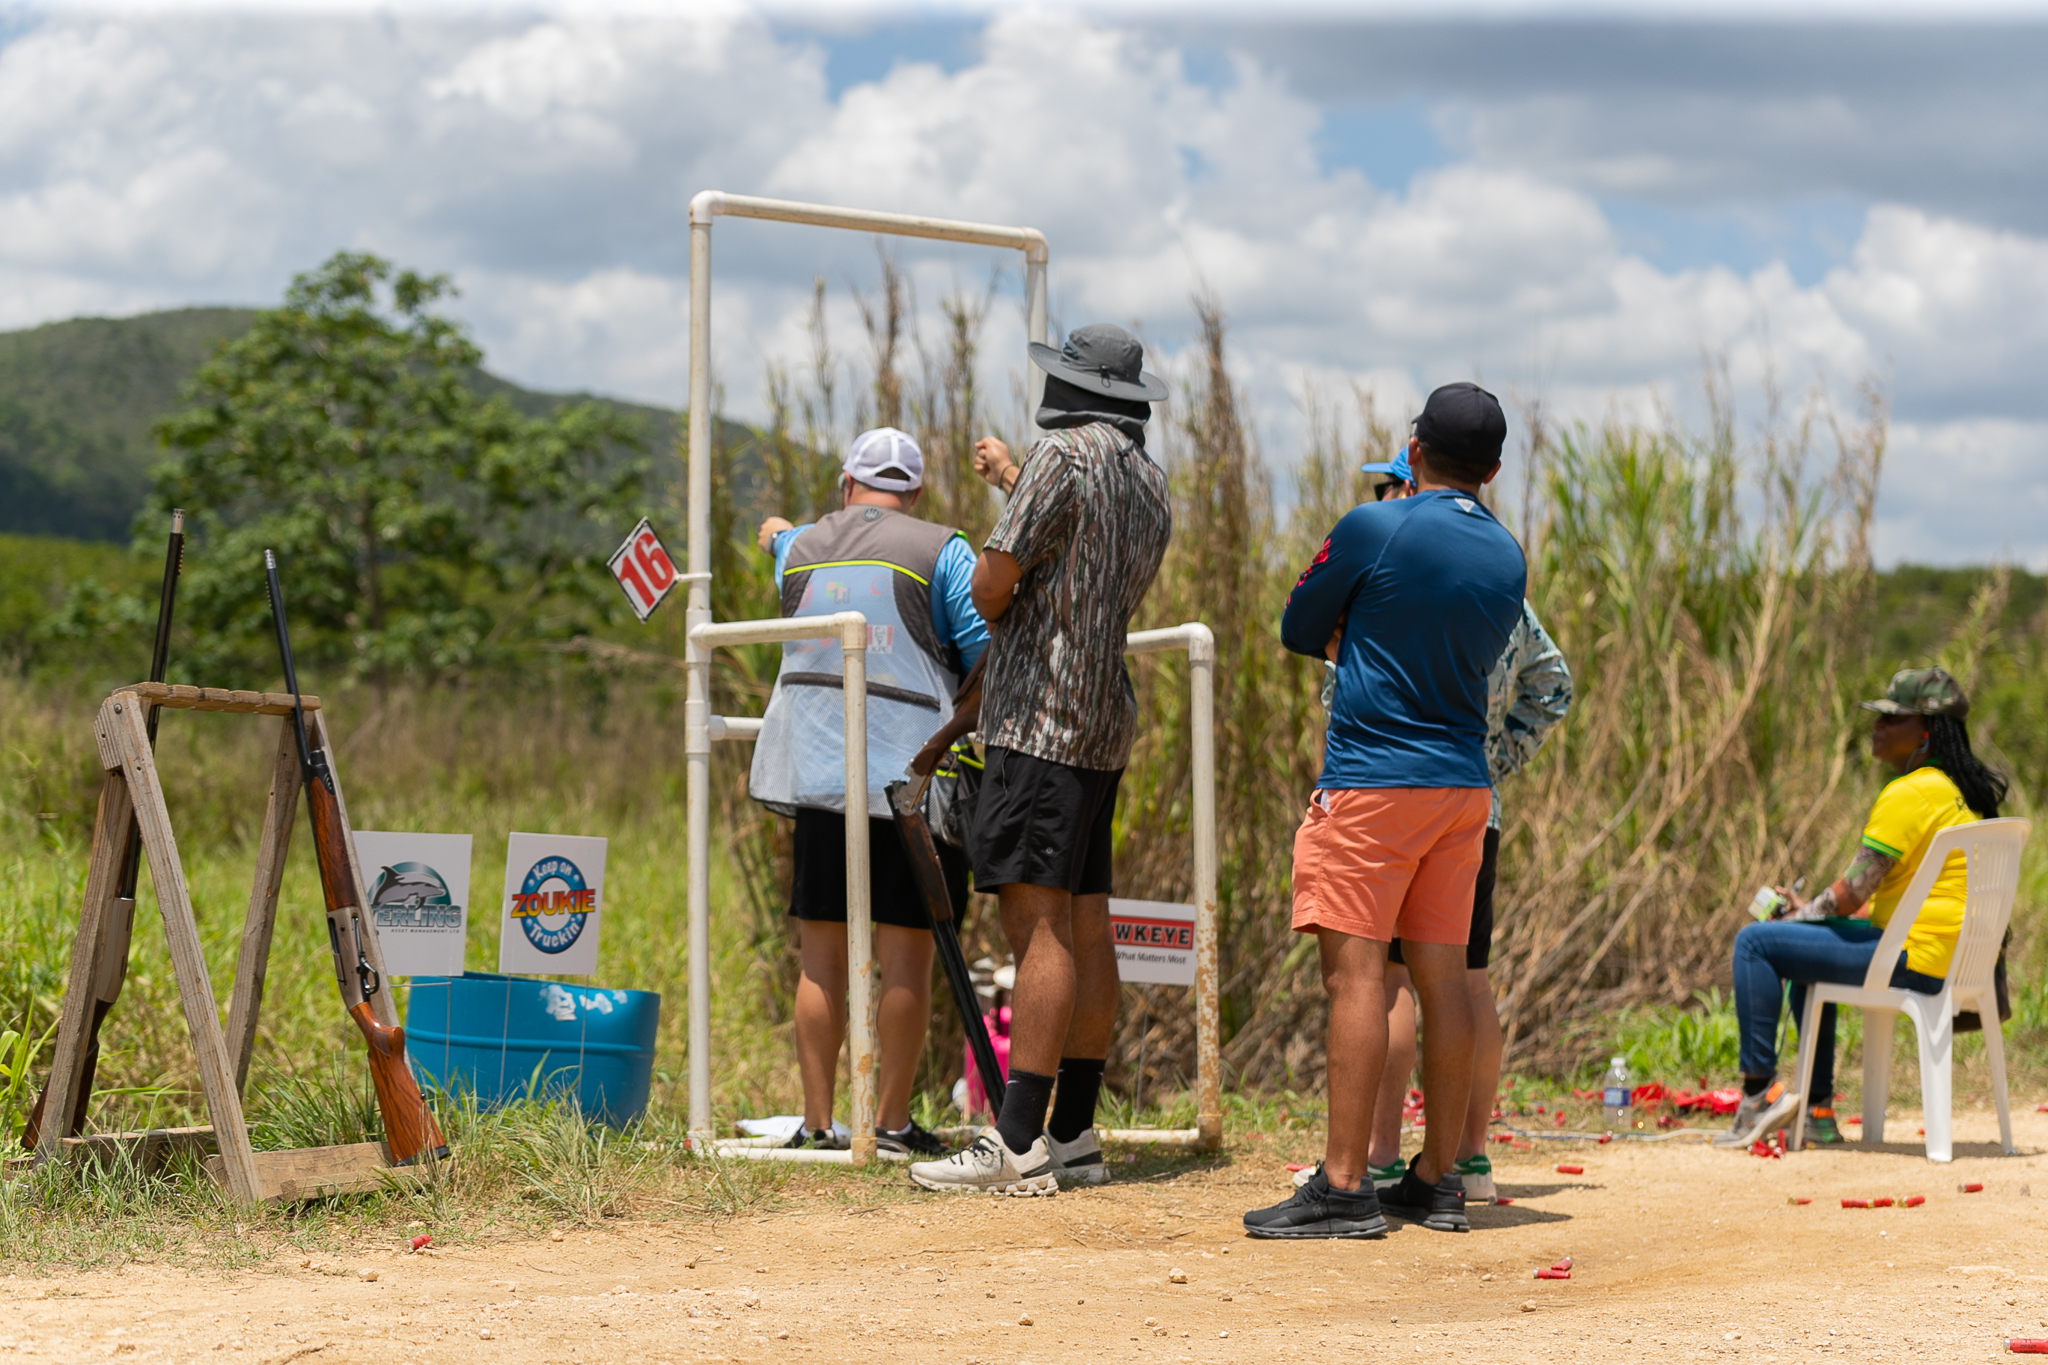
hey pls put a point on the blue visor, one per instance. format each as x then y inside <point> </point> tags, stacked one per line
<point>1398,467</point>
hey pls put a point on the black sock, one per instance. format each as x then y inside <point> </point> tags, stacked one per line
<point>1025,1100</point>
<point>1073,1112</point>
<point>1756,1085</point>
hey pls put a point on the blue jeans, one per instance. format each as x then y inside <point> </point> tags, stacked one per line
<point>1767,954</point>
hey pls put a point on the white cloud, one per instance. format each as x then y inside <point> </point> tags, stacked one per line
<point>545,162</point>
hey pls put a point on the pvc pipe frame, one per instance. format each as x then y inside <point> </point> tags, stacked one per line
<point>700,633</point>
<point>1200,644</point>
<point>850,628</point>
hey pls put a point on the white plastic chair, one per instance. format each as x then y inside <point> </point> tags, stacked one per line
<point>1992,850</point>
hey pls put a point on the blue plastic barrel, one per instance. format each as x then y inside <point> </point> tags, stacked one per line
<point>495,1035</point>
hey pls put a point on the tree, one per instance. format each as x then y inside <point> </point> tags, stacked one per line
<point>422,529</point>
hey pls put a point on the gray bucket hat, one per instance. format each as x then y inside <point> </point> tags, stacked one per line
<point>1101,358</point>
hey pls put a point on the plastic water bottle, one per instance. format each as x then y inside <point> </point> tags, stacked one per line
<point>1615,1095</point>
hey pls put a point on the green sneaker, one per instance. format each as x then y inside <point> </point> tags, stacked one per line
<point>1820,1125</point>
<point>1477,1173</point>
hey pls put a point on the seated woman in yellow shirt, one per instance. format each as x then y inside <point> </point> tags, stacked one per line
<point>1918,732</point>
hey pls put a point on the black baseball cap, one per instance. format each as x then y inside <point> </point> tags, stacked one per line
<point>1465,422</point>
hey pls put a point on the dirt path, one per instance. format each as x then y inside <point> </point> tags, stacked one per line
<point>1681,1253</point>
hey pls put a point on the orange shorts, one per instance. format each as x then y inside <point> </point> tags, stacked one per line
<point>1388,862</point>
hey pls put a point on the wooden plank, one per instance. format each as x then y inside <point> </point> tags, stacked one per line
<point>316,1172</point>
<point>252,965</point>
<point>188,956</point>
<point>381,1003</point>
<point>150,1149</point>
<point>183,696</point>
<point>102,890</point>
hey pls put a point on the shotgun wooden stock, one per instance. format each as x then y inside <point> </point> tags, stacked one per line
<point>409,1127</point>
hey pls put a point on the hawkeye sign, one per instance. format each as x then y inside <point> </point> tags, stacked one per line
<point>645,572</point>
<point>1155,942</point>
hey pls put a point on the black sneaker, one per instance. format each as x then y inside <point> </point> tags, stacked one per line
<point>909,1140</point>
<point>824,1139</point>
<point>1316,1210</point>
<point>1440,1207</point>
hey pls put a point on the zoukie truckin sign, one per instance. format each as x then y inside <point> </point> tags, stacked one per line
<point>554,899</point>
<point>643,569</point>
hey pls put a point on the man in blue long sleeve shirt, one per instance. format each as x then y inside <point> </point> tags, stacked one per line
<point>1414,599</point>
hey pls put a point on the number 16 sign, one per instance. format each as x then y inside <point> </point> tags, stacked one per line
<point>643,569</point>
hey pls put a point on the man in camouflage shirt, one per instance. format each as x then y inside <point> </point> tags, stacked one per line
<point>1067,564</point>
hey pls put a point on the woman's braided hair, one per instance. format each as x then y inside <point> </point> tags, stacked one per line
<point>1948,748</point>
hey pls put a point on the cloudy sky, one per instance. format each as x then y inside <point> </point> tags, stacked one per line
<point>1574,206</point>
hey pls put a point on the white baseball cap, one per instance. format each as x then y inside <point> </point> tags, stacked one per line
<point>887,459</point>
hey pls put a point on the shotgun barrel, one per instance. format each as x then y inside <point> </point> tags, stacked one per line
<point>112,969</point>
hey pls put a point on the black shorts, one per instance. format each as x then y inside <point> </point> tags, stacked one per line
<point>1043,824</point>
<point>1478,943</point>
<point>817,890</point>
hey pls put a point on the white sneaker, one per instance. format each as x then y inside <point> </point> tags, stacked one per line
<point>990,1167</point>
<point>1477,1174</point>
<point>1078,1162</point>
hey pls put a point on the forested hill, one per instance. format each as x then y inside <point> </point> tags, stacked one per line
<point>76,403</point>
<point>78,399</point>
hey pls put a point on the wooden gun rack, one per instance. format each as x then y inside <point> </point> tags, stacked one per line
<point>132,787</point>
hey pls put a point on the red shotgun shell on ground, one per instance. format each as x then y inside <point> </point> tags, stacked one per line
<point>1913,1201</point>
<point>1974,1187</point>
<point>2027,1346</point>
<point>1564,1169</point>
<point>1565,1264</point>
<point>1880,1203</point>
<point>422,1240</point>
<point>1798,1199</point>
<point>1502,1199</point>
<point>1551,1272</point>
<point>1855,1203</point>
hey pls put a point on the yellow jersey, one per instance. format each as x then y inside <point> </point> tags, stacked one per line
<point>1908,813</point>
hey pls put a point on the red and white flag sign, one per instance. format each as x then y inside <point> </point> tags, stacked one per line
<point>645,572</point>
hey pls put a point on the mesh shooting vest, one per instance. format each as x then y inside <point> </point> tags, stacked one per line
<point>880,563</point>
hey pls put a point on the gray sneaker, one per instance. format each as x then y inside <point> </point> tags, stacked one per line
<point>1078,1162</point>
<point>990,1167</point>
<point>1758,1114</point>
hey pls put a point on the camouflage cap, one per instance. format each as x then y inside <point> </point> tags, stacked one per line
<point>1922,692</point>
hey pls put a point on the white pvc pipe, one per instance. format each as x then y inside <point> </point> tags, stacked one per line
<point>697,736</point>
<point>850,628</point>
<point>1200,643</point>
<point>734,728</point>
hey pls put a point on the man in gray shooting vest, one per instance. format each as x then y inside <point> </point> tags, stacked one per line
<point>911,579</point>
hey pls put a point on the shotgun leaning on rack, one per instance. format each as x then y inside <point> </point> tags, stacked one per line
<point>409,1127</point>
<point>112,969</point>
<point>906,802</point>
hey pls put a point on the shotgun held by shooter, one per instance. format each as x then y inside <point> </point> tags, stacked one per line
<point>409,1127</point>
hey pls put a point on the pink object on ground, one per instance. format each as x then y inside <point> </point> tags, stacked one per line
<point>1551,1272</point>
<point>999,1038</point>
<point>420,1241</point>
<point>1570,1170</point>
<point>1974,1187</point>
<point>1913,1201</point>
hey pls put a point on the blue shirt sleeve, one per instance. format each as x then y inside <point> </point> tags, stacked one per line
<point>1322,595</point>
<point>780,545</point>
<point>953,613</point>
